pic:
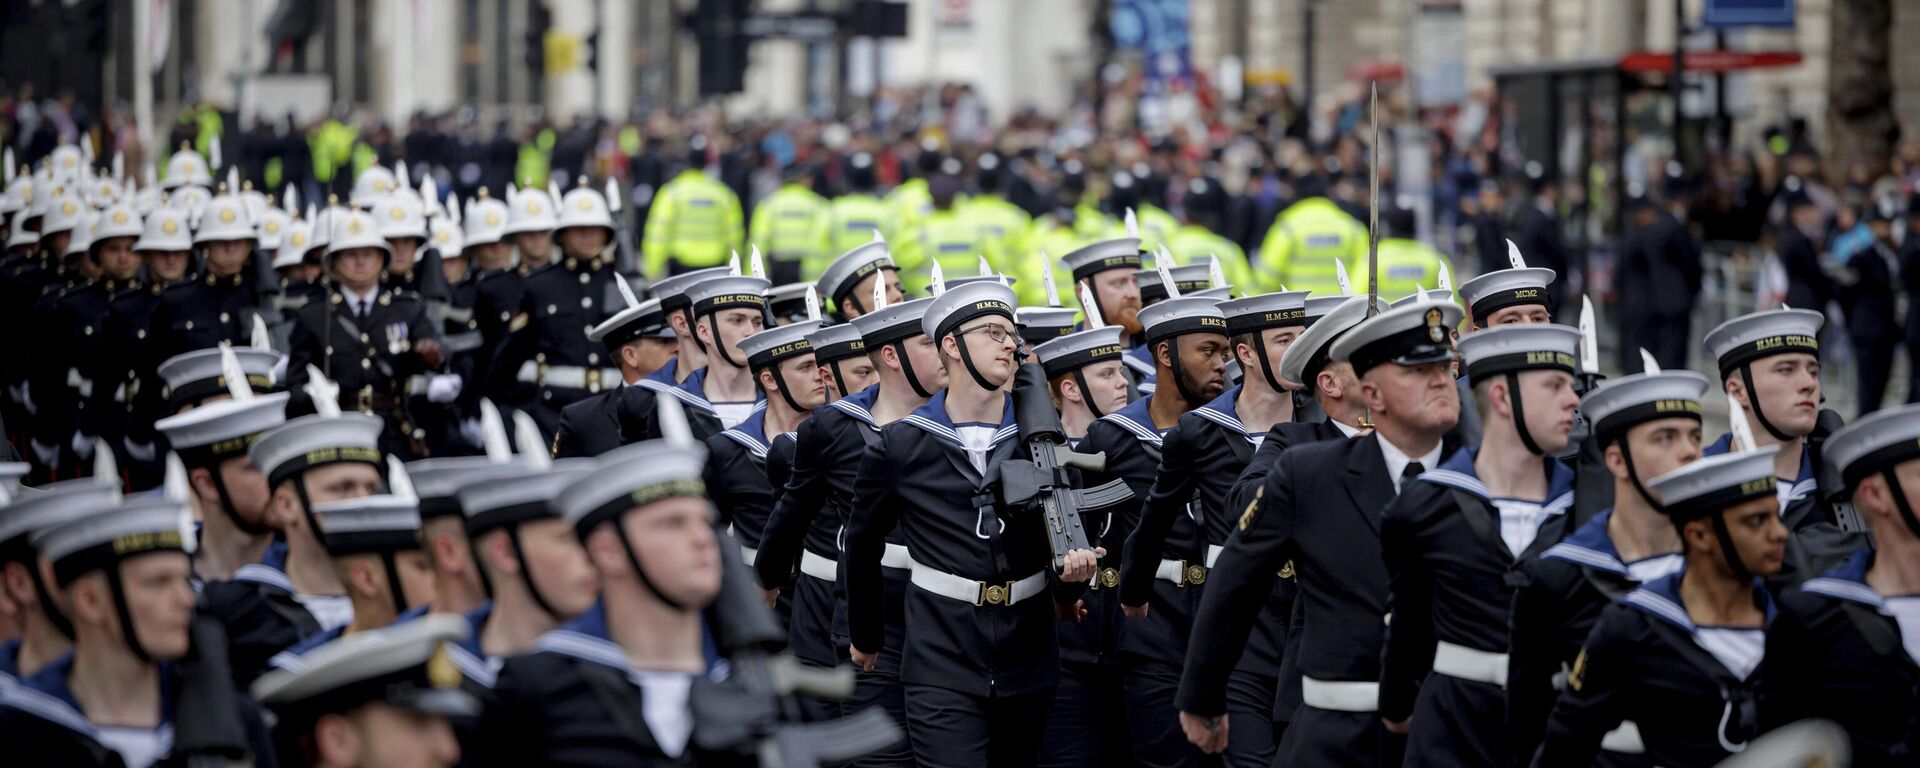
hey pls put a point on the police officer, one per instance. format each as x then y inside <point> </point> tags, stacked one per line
<point>1320,509</point>
<point>46,623</point>
<point>1678,655</point>
<point>805,529</point>
<point>1647,424</point>
<point>943,236</point>
<point>984,659</point>
<point>374,543</point>
<point>1450,539</point>
<point>315,459</point>
<point>129,694</point>
<point>1770,363</point>
<point>791,225</point>
<point>1088,381</point>
<point>1202,214</point>
<point>547,347</point>
<point>695,220</point>
<point>690,353</point>
<point>1306,240</point>
<point>854,216</point>
<point>612,685</point>
<point>1004,224</point>
<point>1406,264</point>
<point>637,338</point>
<point>530,225</point>
<point>848,281</point>
<point>725,310</point>
<point>1842,647</point>
<point>783,367</point>
<point>1202,455</point>
<point>376,343</point>
<point>372,696</point>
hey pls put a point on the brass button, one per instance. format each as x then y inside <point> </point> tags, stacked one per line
<point>366,364</point>
<point>586,302</point>
<point>224,318</point>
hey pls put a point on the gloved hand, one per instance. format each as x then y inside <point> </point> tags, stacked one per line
<point>138,451</point>
<point>470,429</point>
<point>443,388</point>
<point>82,446</point>
<point>49,455</point>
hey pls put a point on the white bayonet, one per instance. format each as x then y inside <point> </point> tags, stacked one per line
<point>1589,339</point>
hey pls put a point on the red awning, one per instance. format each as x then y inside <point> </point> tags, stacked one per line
<point>1709,61</point>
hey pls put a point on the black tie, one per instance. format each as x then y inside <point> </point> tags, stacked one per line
<point>360,310</point>
<point>1411,471</point>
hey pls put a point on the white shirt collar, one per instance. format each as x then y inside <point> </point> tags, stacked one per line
<point>360,301</point>
<point>1344,429</point>
<point>1397,460</point>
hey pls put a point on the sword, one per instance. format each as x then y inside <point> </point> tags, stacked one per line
<point>1373,210</point>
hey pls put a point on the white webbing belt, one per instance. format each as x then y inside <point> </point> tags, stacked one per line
<point>1340,695</point>
<point>1455,660</point>
<point>968,590</point>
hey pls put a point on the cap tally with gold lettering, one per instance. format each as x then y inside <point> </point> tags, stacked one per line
<point>1747,338</point>
<point>1175,317</point>
<point>1253,314</point>
<point>215,432</point>
<point>836,342</point>
<point>1716,483</point>
<point>48,506</point>
<point>672,291</point>
<point>406,665</point>
<point>311,441</point>
<point>1513,348</point>
<point>1311,352</point>
<point>1190,278</point>
<point>1629,401</point>
<point>111,531</point>
<point>840,277</point>
<point>717,294</point>
<point>1502,288</point>
<point>1074,351</point>
<point>1042,324</point>
<point>769,347</point>
<point>192,377</point>
<point>958,305</point>
<point>1875,443</point>
<point>633,476</point>
<point>1414,334</point>
<point>1094,258</point>
<point>512,494</point>
<point>379,523</point>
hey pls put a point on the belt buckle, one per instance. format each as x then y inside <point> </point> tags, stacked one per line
<point>593,379</point>
<point>1108,578</point>
<point>365,399</point>
<point>540,373</point>
<point>1193,573</point>
<point>995,594</point>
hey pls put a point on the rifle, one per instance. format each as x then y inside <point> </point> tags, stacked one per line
<point>1830,491</point>
<point>1041,481</point>
<point>754,712</point>
<point>623,262</point>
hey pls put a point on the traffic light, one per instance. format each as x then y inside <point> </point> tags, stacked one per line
<point>592,44</point>
<point>539,19</point>
<point>723,46</point>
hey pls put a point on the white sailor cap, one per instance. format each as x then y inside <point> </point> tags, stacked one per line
<point>437,482</point>
<point>1875,443</point>
<point>850,268</point>
<point>1222,293</point>
<point>1189,278</point>
<point>716,294</point>
<point>405,665</point>
<point>633,476</point>
<point>1283,309</point>
<point>672,290</point>
<point>836,342</point>
<point>1502,288</point>
<point>485,220</point>
<point>192,377</point>
<point>49,505</point>
<point>514,494</point>
<point>788,302</point>
<point>892,322</point>
<point>641,320</point>
<point>1312,350</point>
<point>110,531</point>
<point>1623,403</point>
<point>1513,348</point>
<point>1747,338</point>
<point>1039,325</point>
<point>1715,483</point>
<point>215,432</point>
<point>382,522</point>
<point>1432,294</point>
<point>1094,258</point>
<point>530,210</point>
<point>958,305</point>
<point>778,343</point>
<point>315,440</point>
<point>1415,334</point>
<point>1074,351</point>
<point>1174,317</point>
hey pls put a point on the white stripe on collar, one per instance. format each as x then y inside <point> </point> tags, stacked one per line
<point>567,642</point>
<point>1801,489</point>
<point>1580,555</point>
<point>674,390</point>
<point>46,707</point>
<point>477,669</point>
<point>945,432</point>
<point>854,410</point>
<point>265,575</point>
<point>1845,590</point>
<point>752,444</point>
<point>1221,418</point>
<point>1465,482</point>
<point>1138,364</point>
<point>1139,430</point>
<point>1659,605</point>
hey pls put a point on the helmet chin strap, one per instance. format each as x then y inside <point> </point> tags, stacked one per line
<point>1194,400</point>
<point>1900,500</point>
<point>393,583</point>
<point>48,607</point>
<point>633,561</point>
<point>906,367</point>
<point>780,381</point>
<point>226,505</point>
<point>1746,377</point>
<point>1086,392</point>
<point>1520,414</point>
<point>1727,550</point>
<point>526,573</point>
<point>719,346</point>
<point>127,631</point>
<point>1266,365</point>
<point>1633,475</point>
<point>966,359</point>
<point>693,327</point>
<point>839,379</point>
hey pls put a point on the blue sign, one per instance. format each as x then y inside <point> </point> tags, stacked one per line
<point>1748,13</point>
<point>1158,30</point>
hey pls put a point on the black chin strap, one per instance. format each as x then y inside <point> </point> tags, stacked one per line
<point>45,596</point>
<point>526,573</point>
<point>1900,501</point>
<point>906,367</point>
<point>1727,552</point>
<point>633,561</point>
<point>1520,415</point>
<point>1266,366</point>
<point>780,381</point>
<point>226,506</point>
<point>127,631</point>
<point>966,359</point>
<point>693,328</point>
<point>839,379</point>
<point>1759,415</point>
<point>1179,379</point>
<point>854,302</point>
<point>1086,392</point>
<point>393,583</point>
<point>1633,474</point>
<point>719,346</point>
<point>479,566</point>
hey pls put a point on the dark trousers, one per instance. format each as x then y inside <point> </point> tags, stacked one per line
<point>1087,728</point>
<point>874,689</point>
<point>1318,738</point>
<point>1666,338</point>
<point>1875,354</point>
<point>1153,722</point>
<point>950,729</point>
<point>1250,734</point>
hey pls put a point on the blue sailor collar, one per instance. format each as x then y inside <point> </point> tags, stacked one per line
<point>46,695</point>
<point>293,657</point>
<point>1224,412</point>
<point>1660,599</point>
<point>1803,483</point>
<point>751,433</point>
<point>1140,359</point>
<point>466,654</point>
<point>1457,472</point>
<point>271,571</point>
<point>1848,582</point>
<point>665,373</point>
<point>1136,418</point>
<point>586,638</point>
<point>858,405</point>
<point>932,418</point>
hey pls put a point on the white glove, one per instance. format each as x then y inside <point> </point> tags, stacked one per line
<point>25,398</point>
<point>443,388</point>
<point>138,451</point>
<point>279,371</point>
<point>470,429</point>
<point>82,446</point>
<point>49,455</point>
